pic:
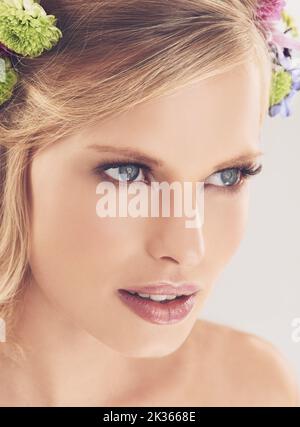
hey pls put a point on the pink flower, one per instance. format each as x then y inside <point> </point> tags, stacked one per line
<point>270,10</point>
<point>283,41</point>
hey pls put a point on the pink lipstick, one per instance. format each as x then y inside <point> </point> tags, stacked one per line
<point>162,303</point>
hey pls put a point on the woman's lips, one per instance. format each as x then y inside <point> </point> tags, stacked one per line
<point>171,311</point>
<point>167,289</point>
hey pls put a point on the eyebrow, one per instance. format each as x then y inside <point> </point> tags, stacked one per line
<point>136,155</point>
<point>240,160</point>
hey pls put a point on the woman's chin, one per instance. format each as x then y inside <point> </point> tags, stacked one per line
<point>144,346</point>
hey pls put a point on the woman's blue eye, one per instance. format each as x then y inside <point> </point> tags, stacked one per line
<point>233,178</point>
<point>227,177</point>
<point>127,172</point>
<point>138,172</point>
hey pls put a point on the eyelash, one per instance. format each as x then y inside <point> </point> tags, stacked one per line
<point>245,171</point>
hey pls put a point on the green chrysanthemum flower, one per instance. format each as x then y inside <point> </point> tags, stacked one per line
<point>8,79</point>
<point>280,86</point>
<point>26,29</point>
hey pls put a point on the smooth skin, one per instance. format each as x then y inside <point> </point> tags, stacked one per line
<point>84,346</point>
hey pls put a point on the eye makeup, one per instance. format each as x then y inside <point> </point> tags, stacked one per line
<point>244,172</point>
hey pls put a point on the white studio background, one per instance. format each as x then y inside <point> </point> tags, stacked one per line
<point>259,291</point>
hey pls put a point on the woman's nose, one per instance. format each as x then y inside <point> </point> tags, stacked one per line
<point>171,238</point>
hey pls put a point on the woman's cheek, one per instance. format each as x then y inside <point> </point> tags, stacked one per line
<point>225,221</point>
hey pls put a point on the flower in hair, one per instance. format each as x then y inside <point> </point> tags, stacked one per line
<point>26,29</point>
<point>8,79</point>
<point>285,84</point>
<point>285,73</point>
<point>270,10</point>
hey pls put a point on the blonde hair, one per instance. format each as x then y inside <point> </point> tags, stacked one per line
<point>113,55</point>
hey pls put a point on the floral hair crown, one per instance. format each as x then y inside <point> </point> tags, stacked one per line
<point>285,71</point>
<point>26,30</point>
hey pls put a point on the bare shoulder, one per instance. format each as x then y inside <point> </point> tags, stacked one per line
<point>248,369</point>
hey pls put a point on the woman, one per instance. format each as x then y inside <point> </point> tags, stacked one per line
<point>135,91</point>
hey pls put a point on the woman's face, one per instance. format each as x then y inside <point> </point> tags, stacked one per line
<point>79,260</point>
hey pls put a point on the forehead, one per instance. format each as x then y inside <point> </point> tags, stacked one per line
<point>198,126</point>
<point>222,98</point>
<point>221,113</point>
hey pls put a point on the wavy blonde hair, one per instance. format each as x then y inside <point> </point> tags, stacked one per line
<point>113,55</point>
